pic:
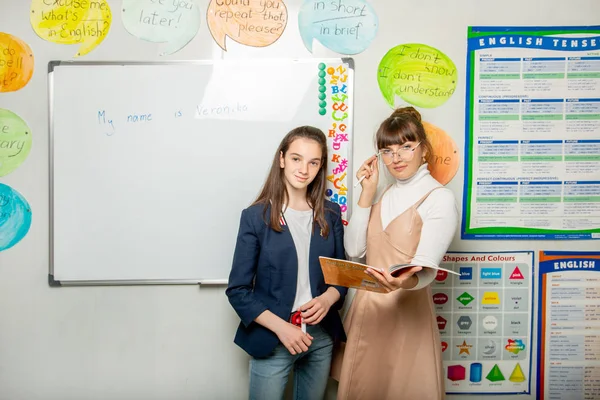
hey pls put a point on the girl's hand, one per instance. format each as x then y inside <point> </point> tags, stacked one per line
<point>293,338</point>
<point>406,280</point>
<point>315,310</point>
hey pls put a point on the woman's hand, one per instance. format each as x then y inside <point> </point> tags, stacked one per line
<point>406,279</point>
<point>370,170</point>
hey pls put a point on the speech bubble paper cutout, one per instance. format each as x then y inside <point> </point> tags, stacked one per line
<point>15,141</point>
<point>174,22</point>
<point>346,27</point>
<point>84,22</point>
<point>257,23</point>
<point>15,217</point>
<point>16,63</point>
<point>419,74</point>
<point>446,158</point>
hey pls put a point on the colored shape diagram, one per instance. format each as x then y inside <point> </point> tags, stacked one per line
<point>490,348</point>
<point>441,275</point>
<point>445,160</point>
<point>515,346</point>
<point>257,23</point>
<point>346,27</point>
<point>440,298</point>
<point>490,298</point>
<point>465,298</point>
<point>475,372</point>
<point>174,22</point>
<point>490,323</point>
<point>464,347</point>
<point>516,274</point>
<point>495,374</point>
<point>464,322</point>
<point>419,74</point>
<point>16,63</point>
<point>517,375</point>
<point>456,373</point>
<point>441,322</point>
<point>83,22</point>
<point>15,141</point>
<point>15,217</point>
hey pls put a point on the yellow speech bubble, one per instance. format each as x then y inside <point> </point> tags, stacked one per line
<point>71,22</point>
<point>16,63</point>
<point>257,23</point>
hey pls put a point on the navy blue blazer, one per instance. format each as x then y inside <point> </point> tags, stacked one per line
<point>264,274</point>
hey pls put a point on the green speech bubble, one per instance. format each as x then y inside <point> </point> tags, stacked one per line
<point>419,74</point>
<point>15,141</point>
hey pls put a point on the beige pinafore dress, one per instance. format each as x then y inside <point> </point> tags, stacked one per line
<point>393,349</point>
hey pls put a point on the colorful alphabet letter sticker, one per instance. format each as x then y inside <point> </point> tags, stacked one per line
<point>346,27</point>
<point>419,74</point>
<point>16,63</point>
<point>72,21</point>
<point>257,23</point>
<point>15,217</point>
<point>15,141</point>
<point>175,22</point>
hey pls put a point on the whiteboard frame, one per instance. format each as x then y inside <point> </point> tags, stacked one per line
<point>133,282</point>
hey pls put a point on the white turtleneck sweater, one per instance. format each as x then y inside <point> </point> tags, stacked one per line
<point>438,212</point>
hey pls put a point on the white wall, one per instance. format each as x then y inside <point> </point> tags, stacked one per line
<point>175,342</point>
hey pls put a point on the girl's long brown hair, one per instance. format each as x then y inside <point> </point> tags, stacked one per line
<point>274,193</point>
<point>404,125</point>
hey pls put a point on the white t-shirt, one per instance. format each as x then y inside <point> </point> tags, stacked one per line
<point>439,213</point>
<point>300,226</point>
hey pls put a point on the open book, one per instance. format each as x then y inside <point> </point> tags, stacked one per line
<point>352,274</point>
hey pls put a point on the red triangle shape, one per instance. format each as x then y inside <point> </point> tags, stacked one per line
<point>516,274</point>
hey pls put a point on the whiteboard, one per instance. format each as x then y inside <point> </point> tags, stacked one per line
<point>151,164</point>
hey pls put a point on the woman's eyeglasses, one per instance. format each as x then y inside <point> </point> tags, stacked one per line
<point>405,153</point>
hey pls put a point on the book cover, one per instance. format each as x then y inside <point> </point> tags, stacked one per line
<point>352,274</point>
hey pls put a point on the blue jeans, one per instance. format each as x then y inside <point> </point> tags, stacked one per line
<point>269,375</point>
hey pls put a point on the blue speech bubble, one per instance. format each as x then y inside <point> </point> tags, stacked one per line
<point>15,217</point>
<point>344,26</point>
<point>175,22</point>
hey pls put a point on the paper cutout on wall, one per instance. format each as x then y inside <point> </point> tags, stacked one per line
<point>71,22</point>
<point>175,22</point>
<point>15,141</point>
<point>16,63</point>
<point>257,23</point>
<point>418,74</point>
<point>15,217</point>
<point>346,27</point>
<point>445,161</point>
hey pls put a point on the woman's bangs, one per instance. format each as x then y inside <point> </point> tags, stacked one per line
<point>389,137</point>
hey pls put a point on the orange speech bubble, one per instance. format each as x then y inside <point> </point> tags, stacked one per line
<point>16,63</point>
<point>257,23</point>
<point>445,160</point>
